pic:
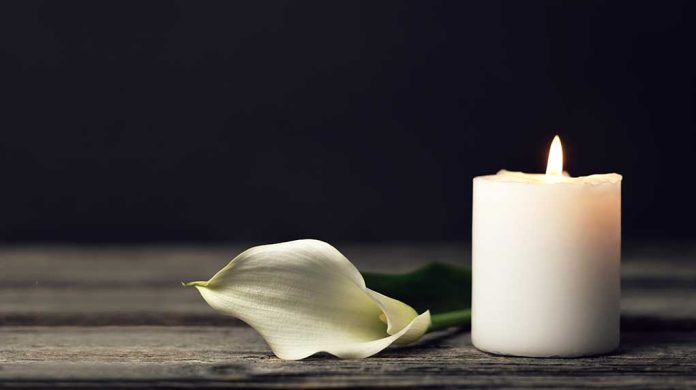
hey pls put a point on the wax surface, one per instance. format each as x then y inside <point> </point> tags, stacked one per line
<point>546,264</point>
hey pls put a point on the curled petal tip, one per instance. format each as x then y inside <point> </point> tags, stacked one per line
<point>194,284</point>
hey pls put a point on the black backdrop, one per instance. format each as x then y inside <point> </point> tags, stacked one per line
<point>340,120</point>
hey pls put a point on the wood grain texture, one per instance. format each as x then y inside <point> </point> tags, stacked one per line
<point>211,356</point>
<point>117,317</point>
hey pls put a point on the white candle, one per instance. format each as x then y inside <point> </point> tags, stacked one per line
<point>546,262</point>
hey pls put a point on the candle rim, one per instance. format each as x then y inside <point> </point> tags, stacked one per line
<point>505,176</point>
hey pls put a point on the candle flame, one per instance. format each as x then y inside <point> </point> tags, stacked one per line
<point>554,167</point>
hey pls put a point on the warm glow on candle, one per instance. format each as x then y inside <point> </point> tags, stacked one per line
<point>554,167</point>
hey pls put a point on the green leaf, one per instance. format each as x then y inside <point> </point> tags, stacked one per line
<point>443,289</point>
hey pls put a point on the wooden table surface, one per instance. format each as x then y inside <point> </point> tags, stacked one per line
<point>118,317</point>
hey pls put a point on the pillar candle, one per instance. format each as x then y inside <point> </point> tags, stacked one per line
<point>546,253</point>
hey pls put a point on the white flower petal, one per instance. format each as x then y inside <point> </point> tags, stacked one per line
<point>399,316</point>
<point>305,297</point>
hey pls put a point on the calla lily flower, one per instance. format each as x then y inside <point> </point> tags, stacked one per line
<point>305,297</point>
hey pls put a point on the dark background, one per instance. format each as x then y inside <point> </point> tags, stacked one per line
<point>339,120</point>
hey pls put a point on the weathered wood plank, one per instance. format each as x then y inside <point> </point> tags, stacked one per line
<point>93,289</point>
<point>236,356</point>
<point>141,285</point>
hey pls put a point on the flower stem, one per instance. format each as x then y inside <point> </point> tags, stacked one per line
<point>450,319</point>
